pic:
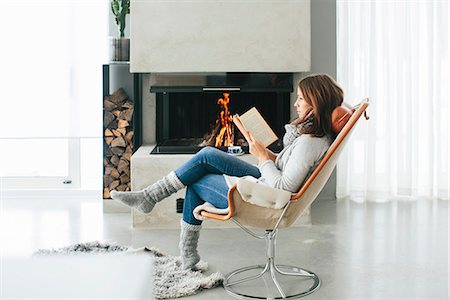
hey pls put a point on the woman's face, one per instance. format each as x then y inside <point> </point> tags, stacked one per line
<point>300,104</point>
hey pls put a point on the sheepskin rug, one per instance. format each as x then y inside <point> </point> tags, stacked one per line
<point>170,280</point>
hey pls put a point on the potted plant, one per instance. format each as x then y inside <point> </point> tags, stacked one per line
<point>120,46</point>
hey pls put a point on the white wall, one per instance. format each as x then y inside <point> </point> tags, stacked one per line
<point>220,36</point>
<point>324,57</point>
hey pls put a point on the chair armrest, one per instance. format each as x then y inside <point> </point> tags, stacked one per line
<point>230,206</point>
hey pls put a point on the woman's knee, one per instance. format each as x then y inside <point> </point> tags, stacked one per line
<point>207,151</point>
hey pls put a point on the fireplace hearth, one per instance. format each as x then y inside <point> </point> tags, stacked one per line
<point>188,112</point>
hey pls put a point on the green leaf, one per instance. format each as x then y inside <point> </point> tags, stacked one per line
<point>120,9</point>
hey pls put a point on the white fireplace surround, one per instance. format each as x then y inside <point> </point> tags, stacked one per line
<point>147,168</point>
<point>220,36</point>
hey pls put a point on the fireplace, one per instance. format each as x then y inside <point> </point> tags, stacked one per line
<point>188,107</point>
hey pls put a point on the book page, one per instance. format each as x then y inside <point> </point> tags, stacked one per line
<point>240,126</point>
<point>253,122</point>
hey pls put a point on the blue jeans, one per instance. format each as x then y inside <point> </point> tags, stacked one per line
<point>203,177</point>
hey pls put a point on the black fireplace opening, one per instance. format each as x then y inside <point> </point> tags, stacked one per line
<point>186,114</point>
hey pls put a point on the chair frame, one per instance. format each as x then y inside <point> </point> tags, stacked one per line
<point>270,267</point>
<point>271,234</point>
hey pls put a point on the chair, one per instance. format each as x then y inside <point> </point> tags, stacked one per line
<point>244,213</point>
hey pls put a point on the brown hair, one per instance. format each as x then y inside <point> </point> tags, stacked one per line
<point>324,94</point>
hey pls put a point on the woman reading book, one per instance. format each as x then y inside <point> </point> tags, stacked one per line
<point>210,173</point>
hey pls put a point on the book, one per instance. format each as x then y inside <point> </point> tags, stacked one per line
<point>252,121</point>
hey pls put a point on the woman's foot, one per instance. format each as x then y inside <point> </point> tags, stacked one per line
<point>145,200</point>
<point>136,200</point>
<point>188,244</point>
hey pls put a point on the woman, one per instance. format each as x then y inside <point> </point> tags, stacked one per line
<point>210,173</point>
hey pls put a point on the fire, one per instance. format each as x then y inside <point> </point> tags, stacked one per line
<point>225,136</point>
<point>223,132</point>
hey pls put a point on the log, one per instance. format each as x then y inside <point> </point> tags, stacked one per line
<point>108,132</point>
<point>114,184</point>
<point>108,105</point>
<point>210,140</point>
<point>106,194</point>
<point>128,153</point>
<point>123,131</point>
<point>127,171</point>
<point>123,164</point>
<point>118,150</point>
<point>121,116</point>
<point>122,187</point>
<point>128,105</point>
<point>118,142</point>
<point>122,124</point>
<point>129,136</point>
<point>116,113</point>
<point>109,139</point>
<point>127,114</point>
<point>107,180</point>
<point>108,169</point>
<point>117,133</point>
<point>124,179</point>
<point>108,97</point>
<point>118,96</point>
<point>115,160</point>
<point>115,174</point>
<point>108,117</point>
<point>105,161</point>
<point>107,152</point>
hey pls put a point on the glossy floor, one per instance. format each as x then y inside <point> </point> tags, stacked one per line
<point>375,250</point>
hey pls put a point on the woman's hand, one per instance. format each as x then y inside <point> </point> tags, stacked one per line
<point>257,149</point>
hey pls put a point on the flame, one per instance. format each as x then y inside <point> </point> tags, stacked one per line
<point>226,135</point>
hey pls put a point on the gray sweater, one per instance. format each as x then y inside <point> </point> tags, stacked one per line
<point>293,164</point>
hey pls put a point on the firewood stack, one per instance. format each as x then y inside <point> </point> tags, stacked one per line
<point>117,142</point>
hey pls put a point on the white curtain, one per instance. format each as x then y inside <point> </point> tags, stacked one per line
<point>397,54</point>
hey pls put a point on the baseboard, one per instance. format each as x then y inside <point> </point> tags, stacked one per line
<point>51,194</point>
<point>109,206</point>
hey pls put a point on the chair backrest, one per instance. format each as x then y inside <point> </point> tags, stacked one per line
<point>315,183</point>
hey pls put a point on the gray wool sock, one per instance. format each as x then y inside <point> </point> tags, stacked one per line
<point>188,244</point>
<point>144,200</point>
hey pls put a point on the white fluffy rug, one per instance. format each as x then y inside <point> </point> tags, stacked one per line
<point>171,281</point>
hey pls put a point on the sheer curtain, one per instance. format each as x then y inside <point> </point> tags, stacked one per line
<point>397,54</point>
<point>51,91</point>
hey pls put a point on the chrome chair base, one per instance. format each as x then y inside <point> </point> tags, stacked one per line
<point>270,268</point>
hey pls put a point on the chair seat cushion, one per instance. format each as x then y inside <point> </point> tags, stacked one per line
<point>262,195</point>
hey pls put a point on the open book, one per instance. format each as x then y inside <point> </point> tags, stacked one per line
<point>252,121</point>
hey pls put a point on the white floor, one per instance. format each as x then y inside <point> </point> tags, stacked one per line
<point>391,250</point>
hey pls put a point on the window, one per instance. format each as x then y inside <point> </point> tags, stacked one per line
<point>51,99</point>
